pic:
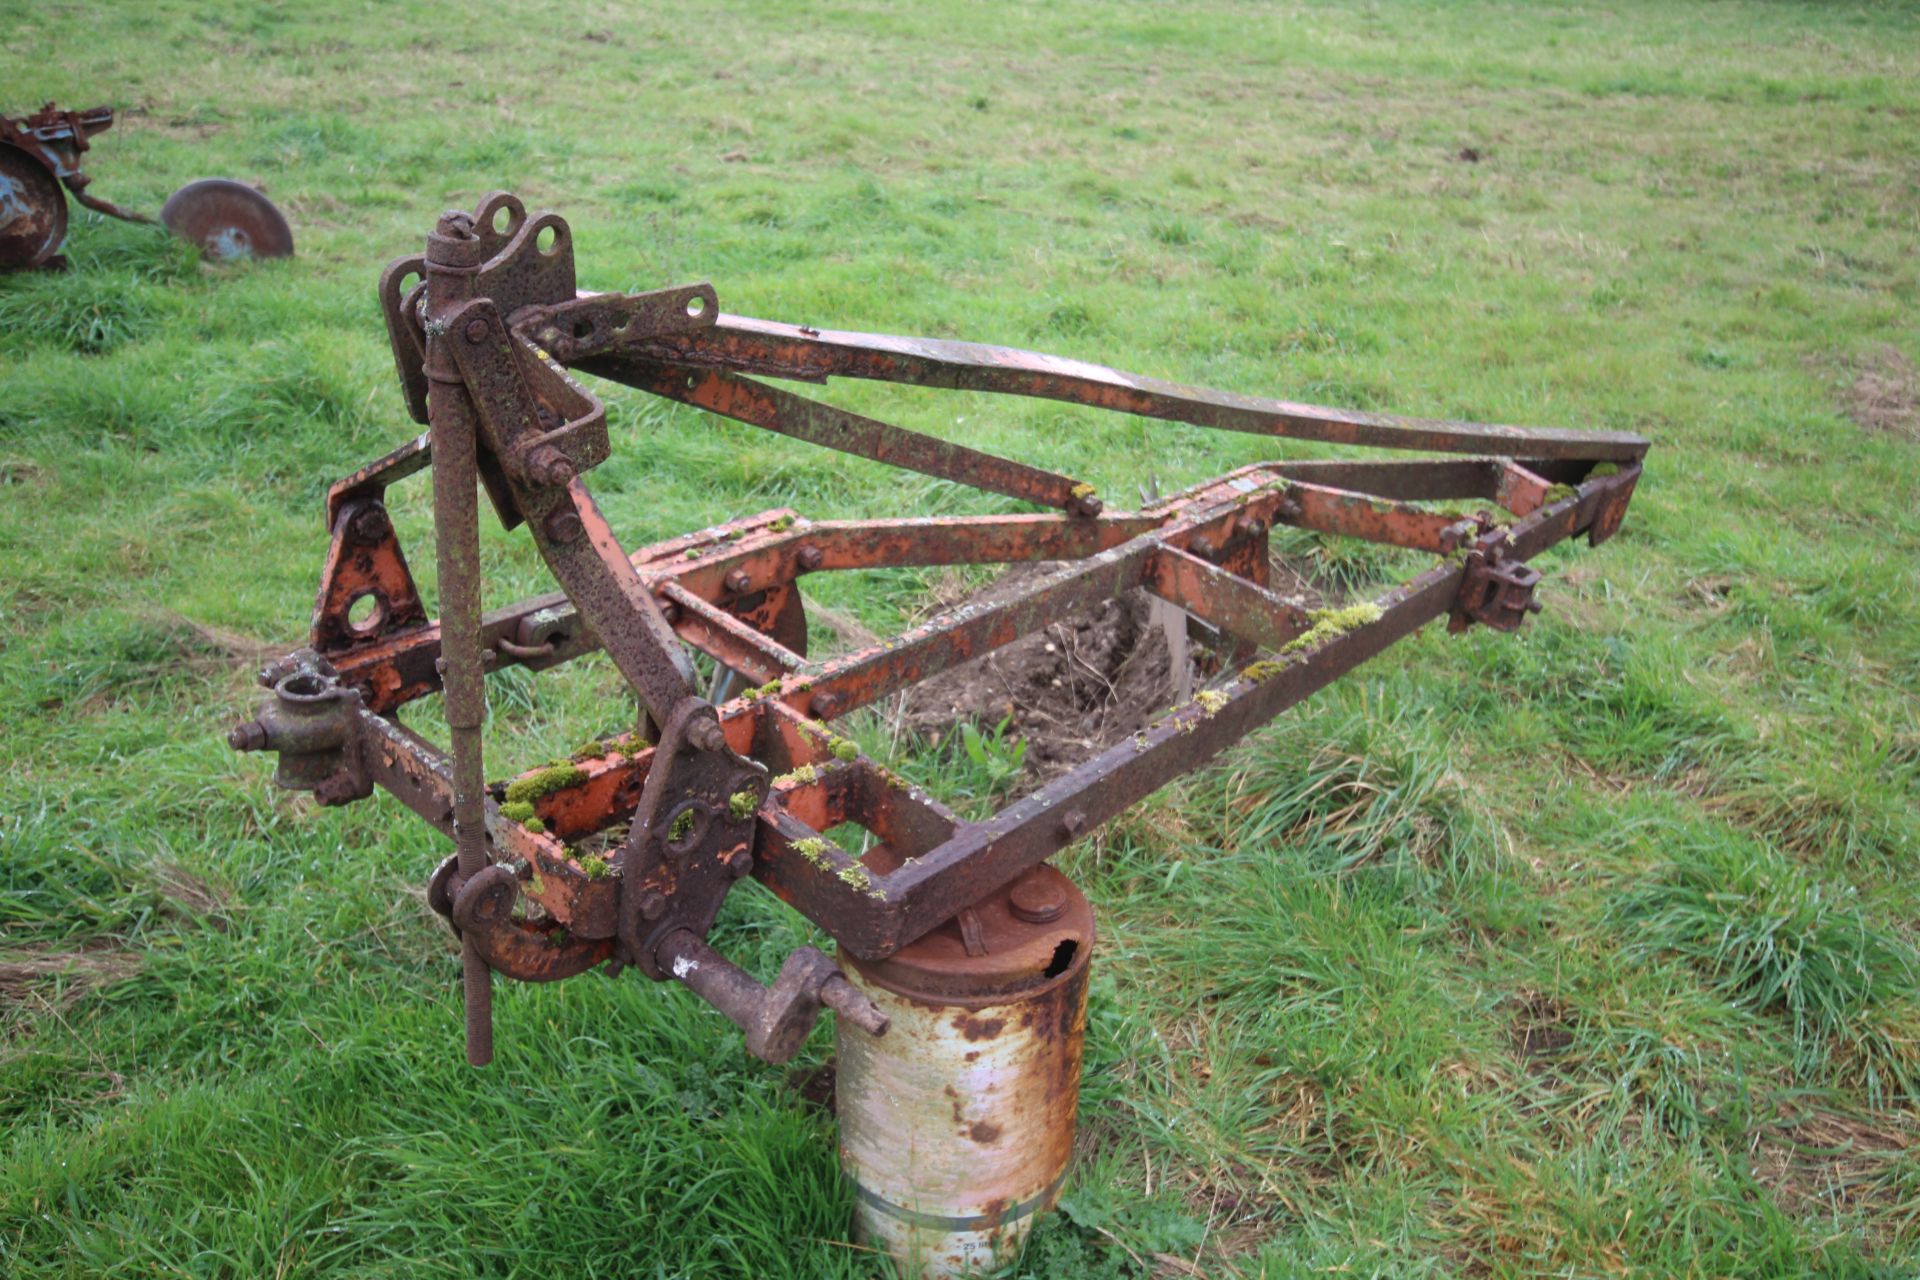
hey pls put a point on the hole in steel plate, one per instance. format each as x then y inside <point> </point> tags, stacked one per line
<point>696,305</point>
<point>548,240</point>
<point>365,613</point>
<point>686,826</point>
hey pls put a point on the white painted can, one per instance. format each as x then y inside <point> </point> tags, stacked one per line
<point>956,1126</point>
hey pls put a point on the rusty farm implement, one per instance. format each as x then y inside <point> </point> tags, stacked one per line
<point>962,956</point>
<point>40,154</point>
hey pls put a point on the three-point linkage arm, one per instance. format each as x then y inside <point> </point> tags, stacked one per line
<point>483,346</point>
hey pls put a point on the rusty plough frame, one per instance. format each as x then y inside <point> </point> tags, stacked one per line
<point>710,794</point>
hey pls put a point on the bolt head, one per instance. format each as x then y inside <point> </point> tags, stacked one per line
<point>652,905</point>
<point>738,580</point>
<point>455,222</point>
<point>251,736</point>
<point>706,735</point>
<point>547,465</point>
<point>563,523</point>
<point>826,704</point>
<point>1203,547</point>
<point>811,557</point>
<point>370,523</point>
<point>1037,899</point>
<point>476,331</point>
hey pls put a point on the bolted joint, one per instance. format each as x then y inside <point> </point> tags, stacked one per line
<point>563,523</point>
<point>1495,590</point>
<point>251,736</point>
<point>705,733</point>
<point>546,464</point>
<point>739,581</point>
<point>810,558</point>
<point>370,523</point>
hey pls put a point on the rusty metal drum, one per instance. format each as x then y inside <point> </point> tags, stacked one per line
<point>956,1127</point>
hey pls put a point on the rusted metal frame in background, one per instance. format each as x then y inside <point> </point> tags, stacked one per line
<point>40,154</point>
<point>58,139</point>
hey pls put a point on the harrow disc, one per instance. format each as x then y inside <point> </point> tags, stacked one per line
<point>228,220</point>
<point>33,211</point>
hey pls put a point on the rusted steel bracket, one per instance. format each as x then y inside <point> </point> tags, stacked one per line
<point>692,834</point>
<point>1495,590</point>
<point>710,795</point>
<point>364,567</point>
<point>597,322</point>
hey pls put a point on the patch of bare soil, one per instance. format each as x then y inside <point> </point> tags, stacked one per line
<point>1072,689</point>
<point>1079,685</point>
<point>815,1085</point>
<point>1538,1030</point>
<point>1882,392</point>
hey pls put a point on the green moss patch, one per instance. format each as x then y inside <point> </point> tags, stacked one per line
<point>536,786</point>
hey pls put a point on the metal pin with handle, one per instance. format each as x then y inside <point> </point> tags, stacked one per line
<point>452,251</point>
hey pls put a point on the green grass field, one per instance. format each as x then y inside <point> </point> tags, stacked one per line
<point>1588,951</point>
